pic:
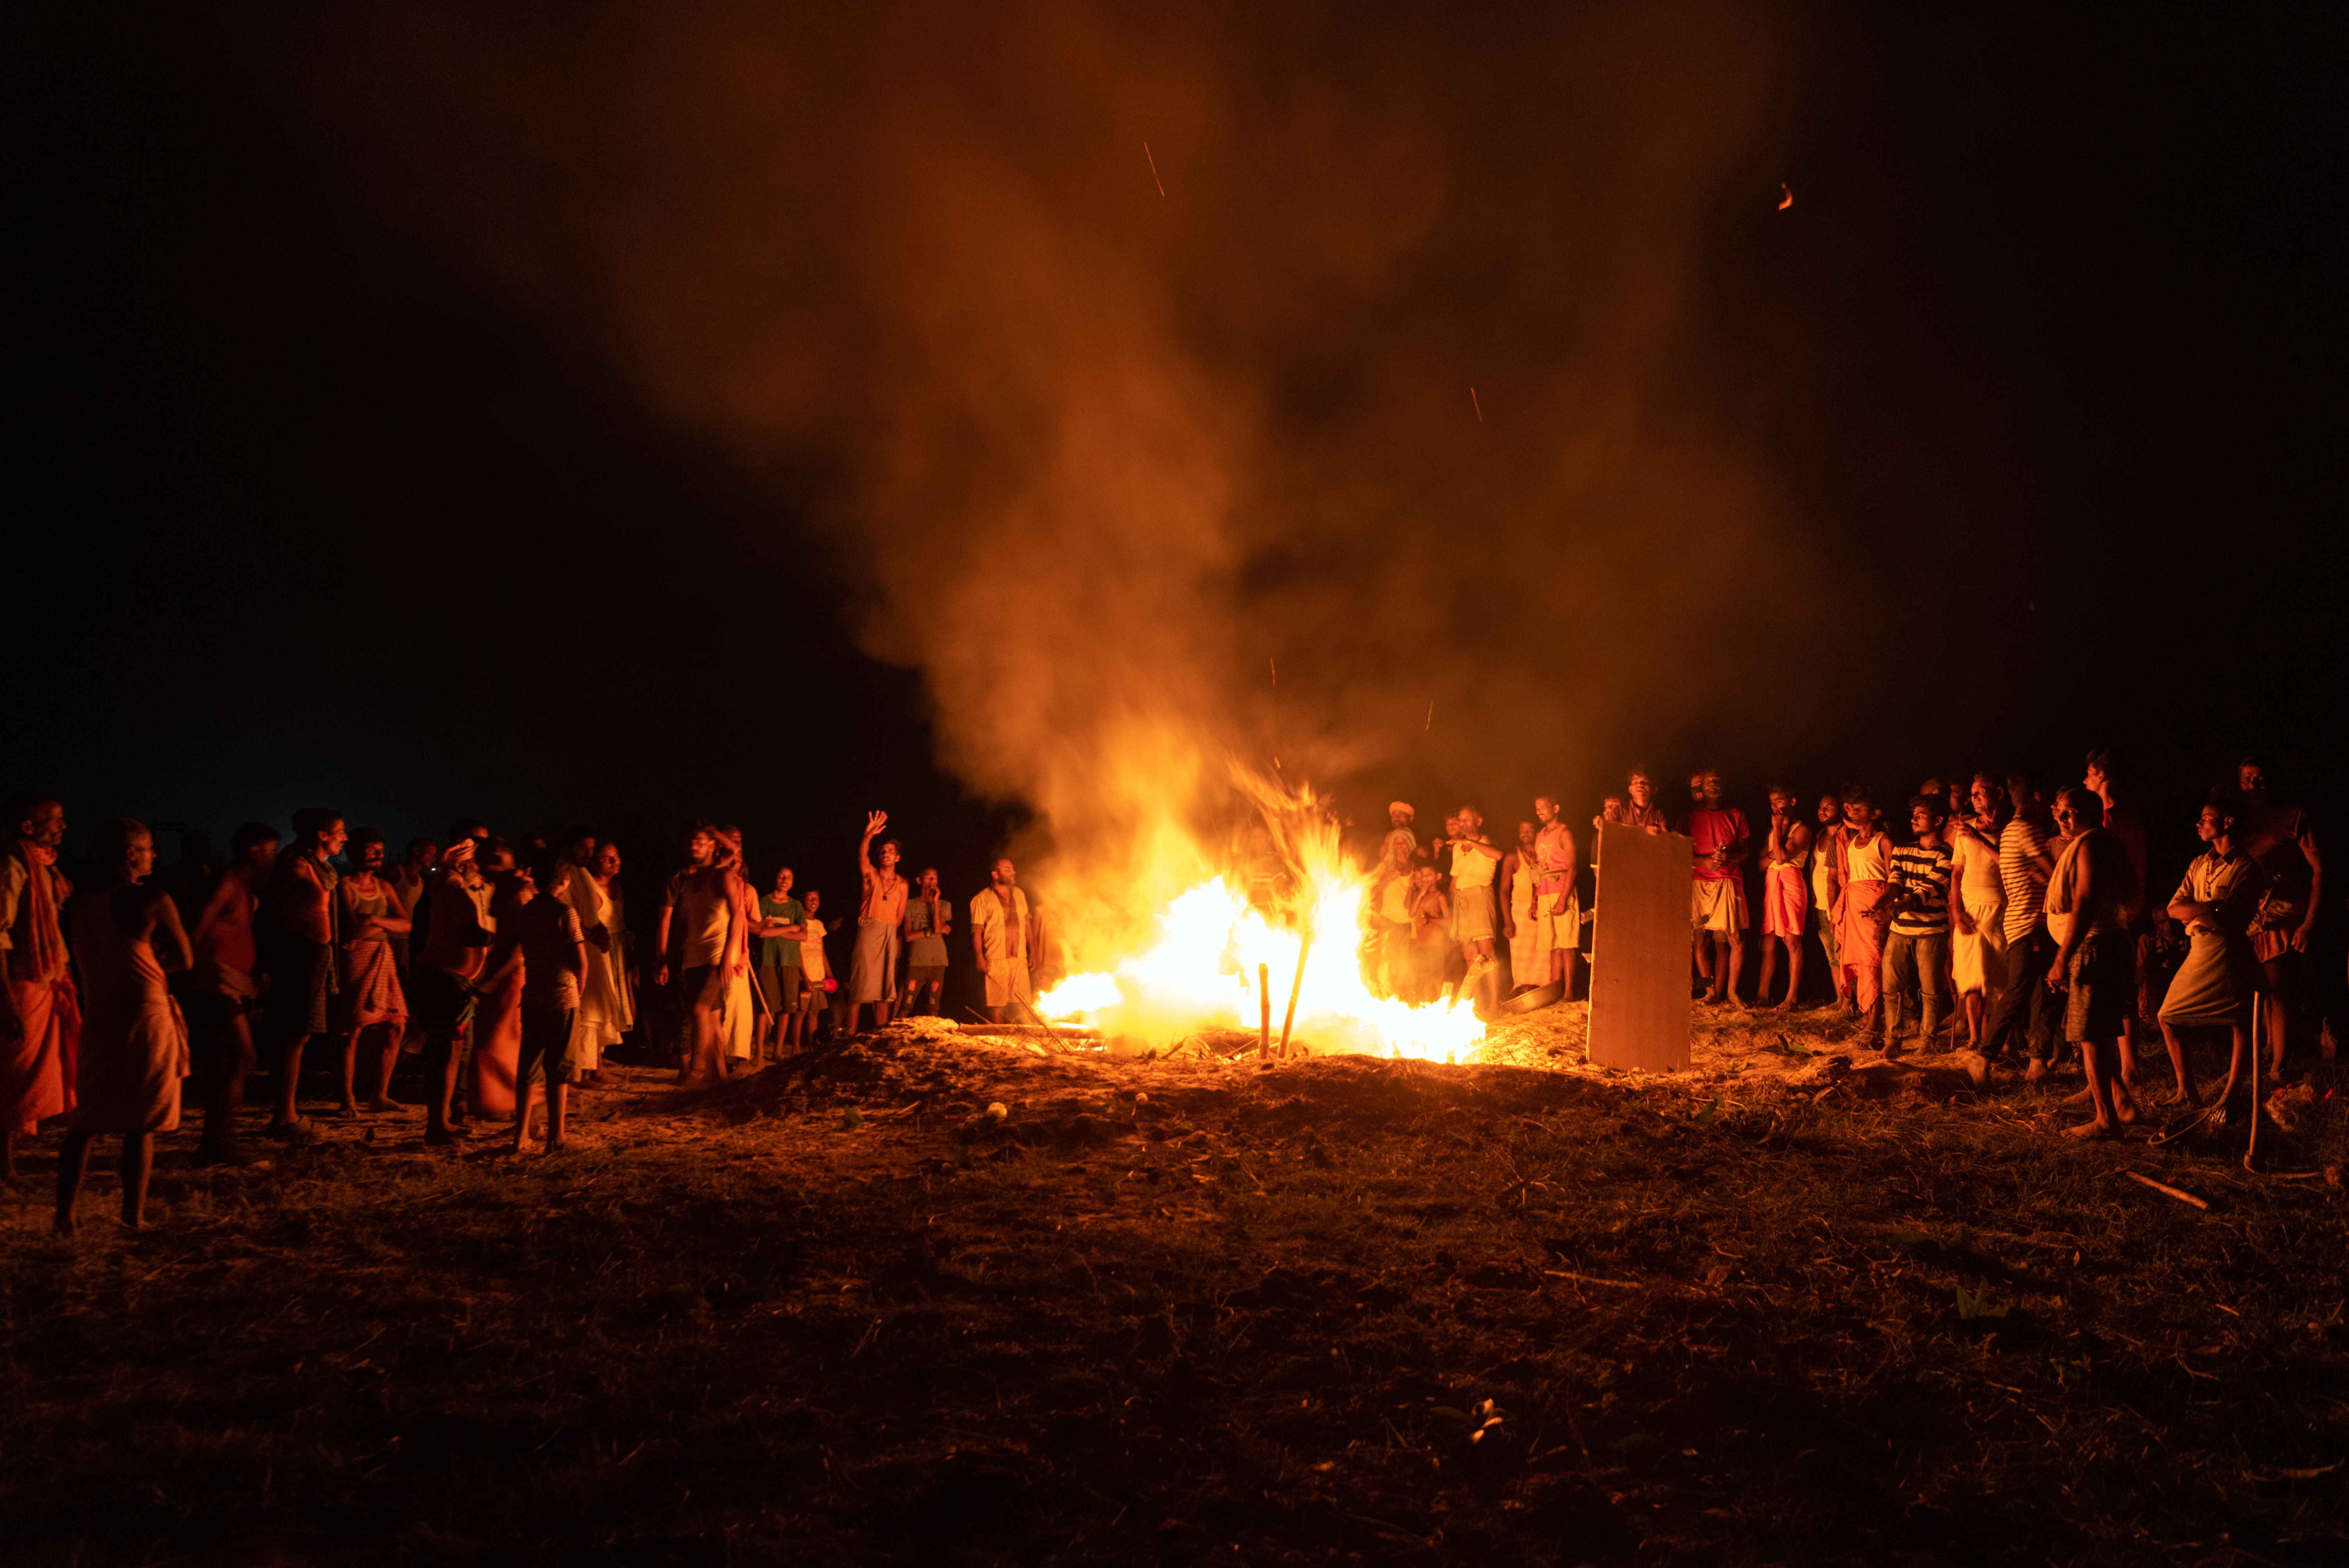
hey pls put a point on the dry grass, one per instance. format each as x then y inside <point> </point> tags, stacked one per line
<point>1191,1310</point>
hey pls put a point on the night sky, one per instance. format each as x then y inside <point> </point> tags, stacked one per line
<point>2040,375</point>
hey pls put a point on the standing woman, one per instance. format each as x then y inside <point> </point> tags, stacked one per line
<point>608,1001</point>
<point>1978,910</point>
<point>1786,893</point>
<point>134,1047</point>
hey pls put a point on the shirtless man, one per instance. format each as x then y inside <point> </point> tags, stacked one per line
<point>444,981</point>
<point>223,993</point>
<point>715,925</point>
<point>297,920</point>
<point>1003,935</point>
<point>2281,842</point>
<point>1553,895</point>
<point>2092,898</point>
<point>37,1032</point>
<point>1785,895</point>
<point>1828,841</point>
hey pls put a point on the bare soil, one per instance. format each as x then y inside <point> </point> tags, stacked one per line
<point>1793,1305</point>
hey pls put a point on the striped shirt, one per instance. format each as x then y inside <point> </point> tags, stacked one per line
<point>1924,875</point>
<point>2020,874</point>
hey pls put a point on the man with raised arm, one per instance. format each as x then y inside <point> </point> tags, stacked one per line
<point>873,971</point>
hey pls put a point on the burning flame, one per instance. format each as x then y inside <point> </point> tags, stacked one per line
<point>1199,970</point>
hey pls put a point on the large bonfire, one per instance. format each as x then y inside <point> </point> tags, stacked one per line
<point>1216,960</point>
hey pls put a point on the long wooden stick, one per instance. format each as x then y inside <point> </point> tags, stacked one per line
<point>2253,1147</point>
<point>1303,946</point>
<point>1264,995</point>
<point>2165,1189</point>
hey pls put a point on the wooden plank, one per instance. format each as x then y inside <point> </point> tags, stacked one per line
<point>1639,951</point>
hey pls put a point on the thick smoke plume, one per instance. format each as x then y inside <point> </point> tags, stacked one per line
<point>1101,461</point>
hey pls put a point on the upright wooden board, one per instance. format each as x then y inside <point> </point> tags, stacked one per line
<point>1639,951</point>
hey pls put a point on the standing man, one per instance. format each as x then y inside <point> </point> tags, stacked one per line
<point>1720,842</point>
<point>1557,910</point>
<point>1475,859</point>
<point>929,920</point>
<point>408,880</point>
<point>443,988</point>
<point>2024,862</point>
<point>1867,916</point>
<point>714,929</point>
<point>1003,933</point>
<point>223,992</point>
<point>873,972</point>
<point>40,1015</point>
<point>2092,898</point>
<point>1919,945</point>
<point>2123,823</point>
<point>1829,868</point>
<point>1400,846</point>
<point>2283,844</point>
<point>781,925</point>
<point>1785,895</point>
<point>297,925</point>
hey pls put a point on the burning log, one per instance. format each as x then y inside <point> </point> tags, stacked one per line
<point>1303,946</point>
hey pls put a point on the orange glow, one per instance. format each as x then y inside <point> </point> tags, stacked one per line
<point>1195,966</point>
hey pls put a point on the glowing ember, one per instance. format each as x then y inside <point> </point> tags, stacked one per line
<point>1200,970</point>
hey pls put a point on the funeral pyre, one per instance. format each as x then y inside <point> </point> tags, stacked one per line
<point>1225,953</point>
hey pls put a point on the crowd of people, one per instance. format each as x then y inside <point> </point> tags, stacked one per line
<point>506,968</point>
<point>1992,913</point>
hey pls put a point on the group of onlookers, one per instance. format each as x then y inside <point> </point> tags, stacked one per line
<point>1992,913</point>
<point>505,969</point>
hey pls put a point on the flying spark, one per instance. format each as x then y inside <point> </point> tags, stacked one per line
<point>1276,671</point>
<point>1431,715</point>
<point>1162,185</point>
<point>1476,405</point>
<point>1785,196</point>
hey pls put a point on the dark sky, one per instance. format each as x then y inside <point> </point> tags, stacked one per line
<point>2041,373</point>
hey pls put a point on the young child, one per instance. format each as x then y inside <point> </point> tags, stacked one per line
<point>1915,954</point>
<point>1431,921</point>
<point>815,974</point>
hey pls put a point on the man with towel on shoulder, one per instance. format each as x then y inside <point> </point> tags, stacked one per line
<point>1003,933</point>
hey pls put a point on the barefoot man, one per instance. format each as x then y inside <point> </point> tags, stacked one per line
<point>1003,933</point>
<point>443,986</point>
<point>1785,895</point>
<point>873,972</point>
<point>2093,899</point>
<point>40,1021</point>
<point>1557,911</point>
<point>2212,989</point>
<point>1475,859</point>
<point>1720,842</point>
<point>298,914</point>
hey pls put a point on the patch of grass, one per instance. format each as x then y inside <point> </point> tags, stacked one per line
<point>1265,1310</point>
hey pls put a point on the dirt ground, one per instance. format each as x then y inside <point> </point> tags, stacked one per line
<point>1793,1305</point>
